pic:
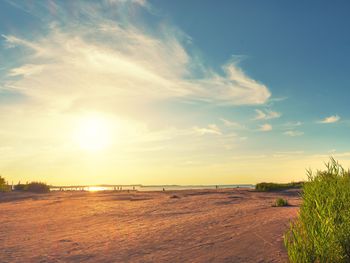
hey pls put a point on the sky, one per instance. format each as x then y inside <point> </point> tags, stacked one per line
<point>172,92</point>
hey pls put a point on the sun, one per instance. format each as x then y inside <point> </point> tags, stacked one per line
<point>93,133</point>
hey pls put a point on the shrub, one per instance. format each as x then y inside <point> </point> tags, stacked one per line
<point>321,232</point>
<point>265,187</point>
<point>4,187</point>
<point>281,202</point>
<point>20,187</point>
<point>37,187</point>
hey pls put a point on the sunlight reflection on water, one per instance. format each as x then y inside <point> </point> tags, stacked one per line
<point>97,188</point>
<point>145,188</point>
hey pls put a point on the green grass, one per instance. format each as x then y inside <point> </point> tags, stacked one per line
<point>280,202</point>
<point>266,187</point>
<point>321,232</point>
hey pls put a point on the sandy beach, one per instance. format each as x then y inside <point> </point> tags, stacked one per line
<point>225,225</point>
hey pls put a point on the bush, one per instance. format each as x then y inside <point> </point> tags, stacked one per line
<point>37,187</point>
<point>281,202</point>
<point>20,187</point>
<point>265,187</point>
<point>321,232</point>
<point>4,187</point>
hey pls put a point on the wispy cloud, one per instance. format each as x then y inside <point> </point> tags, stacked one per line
<point>265,127</point>
<point>293,133</point>
<point>121,62</point>
<point>266,115</point>
<point>211,129</point>
<point>232,124</point>
<point>293,124</point>
<point>330,119</point>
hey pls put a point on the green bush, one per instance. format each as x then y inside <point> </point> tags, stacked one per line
<point>37,187</point>
<point>20,187</point>
<point>4,187</point>
<point>321,232</point>
<point>281,202</point>
<point>265,187</point>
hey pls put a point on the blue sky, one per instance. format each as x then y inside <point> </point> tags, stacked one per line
<point>212,92</point>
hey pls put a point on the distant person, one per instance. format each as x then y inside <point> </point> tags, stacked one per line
<point>163,189</point>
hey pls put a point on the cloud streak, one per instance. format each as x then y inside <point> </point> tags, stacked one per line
<point>232,124</point>
<point>330,119</point>
<point>266,115</point>
<point>265,127</point>
<point>73,65</point>
<point>211,129</point>
<point>293,133</point>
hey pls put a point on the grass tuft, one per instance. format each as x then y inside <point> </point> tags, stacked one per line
<point>321,232</point>
<point>280,202</point>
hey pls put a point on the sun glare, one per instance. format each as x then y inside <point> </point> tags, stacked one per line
<point>93,133</point>
<point>96,188</point>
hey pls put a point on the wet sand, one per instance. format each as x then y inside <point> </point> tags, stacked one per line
<point>225,225</point>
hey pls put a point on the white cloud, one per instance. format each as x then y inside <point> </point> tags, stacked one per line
<point>293,124</point>
<point>211,129</point>
<point>266,115</point>
<point>294,133</point>
<point>26,70</point>
<point>78,65</point>
<point>330,119</point>
<point>231,124</point>
<point>116,2</point>
<point>265,127</point>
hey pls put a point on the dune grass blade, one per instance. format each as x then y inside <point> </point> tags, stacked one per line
<point>321,232</point>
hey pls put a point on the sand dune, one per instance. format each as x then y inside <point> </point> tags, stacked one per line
<point>228,225</point>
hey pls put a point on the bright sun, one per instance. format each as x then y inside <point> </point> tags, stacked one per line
<point>93,133</point>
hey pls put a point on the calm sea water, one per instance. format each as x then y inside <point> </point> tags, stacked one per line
<point>149,187</point>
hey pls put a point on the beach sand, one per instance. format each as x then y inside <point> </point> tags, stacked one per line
<point>225,225</point>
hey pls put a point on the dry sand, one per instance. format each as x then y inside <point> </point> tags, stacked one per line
<point>227,225</point>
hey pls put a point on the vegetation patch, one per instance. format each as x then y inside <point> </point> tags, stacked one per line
<point>4,187</point>
<point>266,187</point>
<point>35,187</point>
<point>321,232</point>
<point>280,202</point>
